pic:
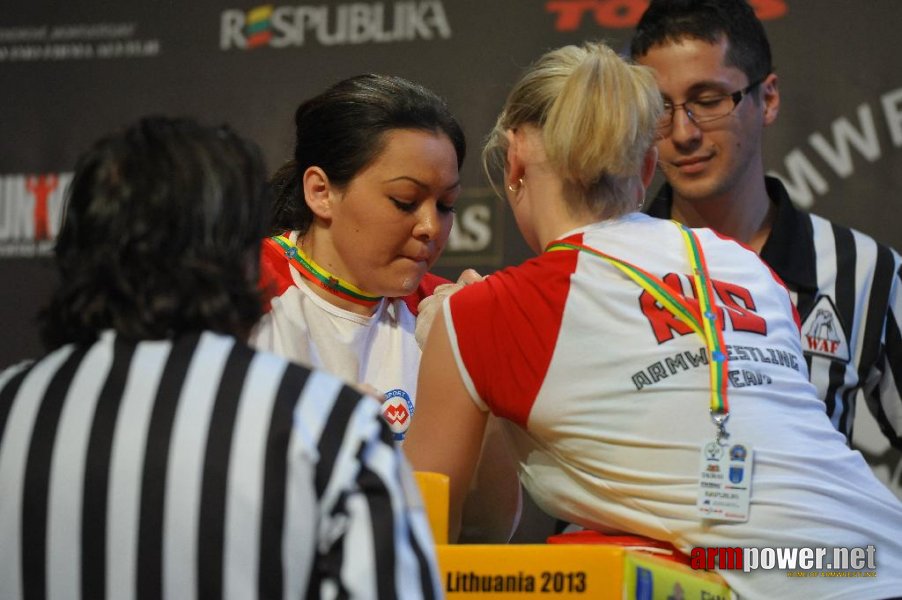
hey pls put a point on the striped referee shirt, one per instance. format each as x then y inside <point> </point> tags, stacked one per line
<point>846,288</point>
<point>199,468</point>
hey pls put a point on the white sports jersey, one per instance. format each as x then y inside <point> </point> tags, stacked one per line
<point>607,395</point>
<point>379,350</point>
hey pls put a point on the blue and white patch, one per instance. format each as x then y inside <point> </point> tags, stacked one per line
<point>397,410</point>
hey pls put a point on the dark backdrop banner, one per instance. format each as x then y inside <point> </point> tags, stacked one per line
<point>72,71</point>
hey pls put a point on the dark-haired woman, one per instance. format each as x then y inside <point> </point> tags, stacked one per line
<point>362,212</point>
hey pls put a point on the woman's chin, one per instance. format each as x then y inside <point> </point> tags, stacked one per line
<point>408,286</point>
<point>404,281</point>
<point>409,283</point>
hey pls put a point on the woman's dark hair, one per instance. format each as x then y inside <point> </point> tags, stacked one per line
<point>161,235</point>
<point>343,130</point>
<point>672,20</point>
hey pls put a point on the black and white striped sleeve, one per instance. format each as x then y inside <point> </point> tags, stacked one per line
<point>373,538</point>
<point>884,398</point>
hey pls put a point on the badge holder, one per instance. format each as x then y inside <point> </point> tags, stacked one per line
<point>725,477</point>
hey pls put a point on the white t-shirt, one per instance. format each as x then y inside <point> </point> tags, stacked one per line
<point>378,350</point>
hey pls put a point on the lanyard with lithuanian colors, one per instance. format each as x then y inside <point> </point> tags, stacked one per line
<point>317,275</point>
<point>703,318</point>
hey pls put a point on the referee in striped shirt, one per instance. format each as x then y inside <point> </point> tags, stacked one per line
<point>712,61</point>
<point>151,453</point>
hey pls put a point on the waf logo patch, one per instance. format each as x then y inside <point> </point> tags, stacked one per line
<point>397,410</point>
<point>823,333</point>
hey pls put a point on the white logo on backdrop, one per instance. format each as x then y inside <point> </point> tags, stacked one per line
<point>336,25</point>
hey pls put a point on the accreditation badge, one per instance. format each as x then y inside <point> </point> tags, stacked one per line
<point>725,481</point>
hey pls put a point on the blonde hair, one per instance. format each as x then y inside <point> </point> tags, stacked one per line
<point>597,114</point>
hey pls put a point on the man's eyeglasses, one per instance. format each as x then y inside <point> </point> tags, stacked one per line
<point>705,108</point>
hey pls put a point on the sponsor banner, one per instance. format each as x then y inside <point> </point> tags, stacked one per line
<point>573,15</point>
<point>288,26</point>
<point>30,213</point>
<point>566,571</point>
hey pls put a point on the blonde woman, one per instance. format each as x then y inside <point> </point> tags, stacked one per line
<point>650,377</point>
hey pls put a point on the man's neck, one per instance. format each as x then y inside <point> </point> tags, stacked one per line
<point>747,217</point>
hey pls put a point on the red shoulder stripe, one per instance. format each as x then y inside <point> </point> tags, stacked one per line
<point>507,329</point>
<point>275,274</point>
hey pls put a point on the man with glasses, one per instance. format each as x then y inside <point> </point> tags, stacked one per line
<point>713,64</point>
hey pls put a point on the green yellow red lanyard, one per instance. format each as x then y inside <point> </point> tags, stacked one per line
<point>703,318</point>
<point>321,277</point>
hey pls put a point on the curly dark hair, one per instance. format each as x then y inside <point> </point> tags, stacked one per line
<point>672,20</point>
<point>161,235</point>
<point>342,131</point>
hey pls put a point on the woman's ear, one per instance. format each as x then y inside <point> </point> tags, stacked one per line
<point>516,168</point>
<point>649,162</point>
<point>318,192</point>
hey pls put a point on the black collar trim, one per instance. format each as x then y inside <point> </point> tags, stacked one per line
<point>789,249</point>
